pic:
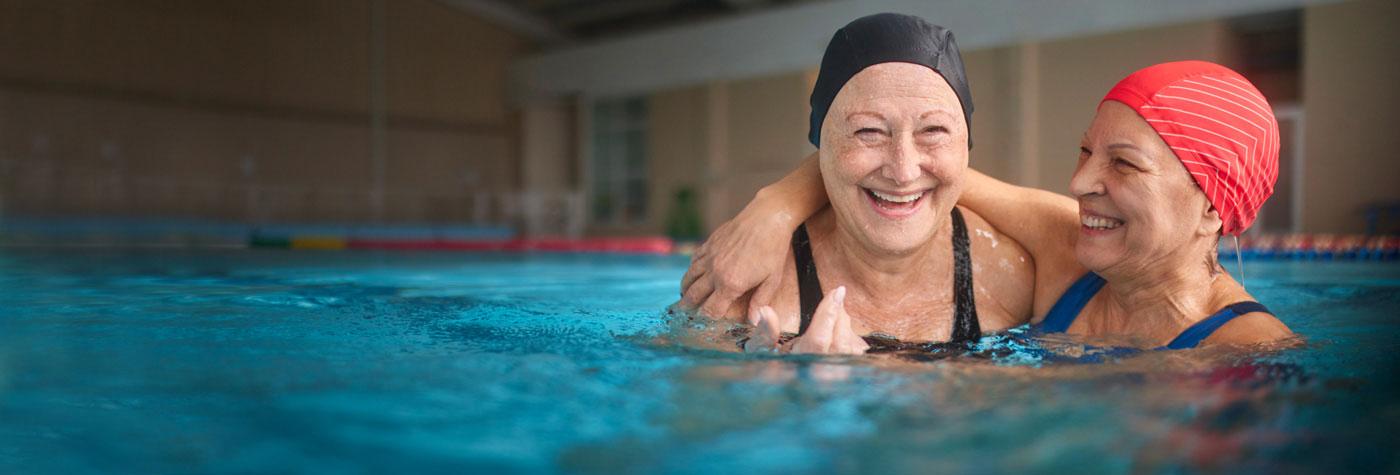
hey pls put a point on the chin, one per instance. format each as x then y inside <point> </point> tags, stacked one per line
<point>900,238</point>
<point>1093,258</point>
<point>896,246</point>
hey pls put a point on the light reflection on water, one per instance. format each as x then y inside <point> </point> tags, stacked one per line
<point>306,361</point>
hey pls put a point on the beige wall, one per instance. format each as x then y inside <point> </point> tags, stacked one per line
<point>1035,100</point>
<point>765,136</point>
<point>256,110</point>
<point>1032,104</point>
<point>678,149</point>
<point>724,140</point>
<point>996,125</point>
<point>1351,111</point>
<point>547,146</point>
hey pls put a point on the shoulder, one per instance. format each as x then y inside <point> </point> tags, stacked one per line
<point>990,245</point>
<point>1250,328</point>
<point>1001,267</point>
<point>1049,274</point>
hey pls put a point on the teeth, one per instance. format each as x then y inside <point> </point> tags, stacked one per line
<point>1099,222</point>
<point>896,198</point>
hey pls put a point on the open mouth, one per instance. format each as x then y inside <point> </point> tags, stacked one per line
<point>1099,223</point>
<point>895,203</point>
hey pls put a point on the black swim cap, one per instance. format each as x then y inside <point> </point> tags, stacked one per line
<point>887,38</point>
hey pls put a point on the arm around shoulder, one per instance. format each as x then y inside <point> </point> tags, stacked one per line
<point>742,258</point>
<point>1045,223</point>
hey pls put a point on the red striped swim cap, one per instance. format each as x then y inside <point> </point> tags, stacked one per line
<point>1220,127</point>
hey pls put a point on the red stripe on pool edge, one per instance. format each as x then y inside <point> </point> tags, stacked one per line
<point>642,245</point>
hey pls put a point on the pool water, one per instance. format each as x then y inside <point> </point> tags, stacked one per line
<point>350,362</point>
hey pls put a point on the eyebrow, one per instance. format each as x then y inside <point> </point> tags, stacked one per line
<point>936,112</point>
<point>872,114</point>
<point>1124,145</point>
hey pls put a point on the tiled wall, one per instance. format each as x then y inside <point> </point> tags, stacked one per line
<point>252,110</point>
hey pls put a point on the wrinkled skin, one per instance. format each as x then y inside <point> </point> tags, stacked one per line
<point>895,130</point>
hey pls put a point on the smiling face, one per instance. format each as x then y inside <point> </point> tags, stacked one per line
<point>1138,206</point>
<point>893,151</point>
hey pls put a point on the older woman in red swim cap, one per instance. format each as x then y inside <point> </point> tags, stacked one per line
<point>1178,155</point>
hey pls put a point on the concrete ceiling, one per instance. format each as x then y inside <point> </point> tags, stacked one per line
<point>613,47</point>
<point>557,23</point>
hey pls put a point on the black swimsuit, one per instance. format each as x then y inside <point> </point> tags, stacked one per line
<point>965,326</point>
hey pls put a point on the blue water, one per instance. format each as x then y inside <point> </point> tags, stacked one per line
<point>354,362</point>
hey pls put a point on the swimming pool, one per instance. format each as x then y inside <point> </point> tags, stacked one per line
<point>256,360</point>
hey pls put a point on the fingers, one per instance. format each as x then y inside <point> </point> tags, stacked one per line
<point>766,334</point>
<point>697,293</point>
<point>770,324</point>
<point>829,312</point>
<point>831,331</point>
<point>763,295</point>
<point>700,264</point>
<point>693,274</point>
<point>847,340</point>
<point>820,333</point>
<point>719,302</point>
<point>755,313</point>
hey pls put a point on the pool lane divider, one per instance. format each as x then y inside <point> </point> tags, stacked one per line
<point>1314,247</point>
<point>443,238</point>
<point>622,245</point>
<point>196,233</point>
<point>1289,247</point>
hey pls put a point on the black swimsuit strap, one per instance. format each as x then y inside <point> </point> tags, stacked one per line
<point>809,287</point>
<point>965,324</point>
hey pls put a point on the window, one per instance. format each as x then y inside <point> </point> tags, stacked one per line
<point>1268,49</point>
<point>618,174</point>
<point>1281,212</point>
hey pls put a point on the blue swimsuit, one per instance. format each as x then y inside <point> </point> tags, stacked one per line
<point>1066,309</point>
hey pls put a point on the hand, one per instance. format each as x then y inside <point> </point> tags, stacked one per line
<point>746,253</point>
<point>830,331</point>
<point>767,333</point>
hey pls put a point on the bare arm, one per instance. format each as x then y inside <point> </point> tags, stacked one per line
<point>1046,224</point>
<point>800,194</point>
<point>747,253</point>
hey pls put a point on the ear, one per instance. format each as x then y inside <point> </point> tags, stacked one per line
<point>1211,224</point>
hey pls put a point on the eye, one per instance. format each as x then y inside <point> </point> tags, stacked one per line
<point>1084,153</point>
<point>934,129</point>
<point>871,135</point>
<point>1124,164</point>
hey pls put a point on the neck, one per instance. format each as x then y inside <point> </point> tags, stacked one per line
<point>873,270</point>
<point>1168,293</point>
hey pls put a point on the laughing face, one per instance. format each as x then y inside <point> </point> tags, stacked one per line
<point>1138,206</point>
<point>893,152</point>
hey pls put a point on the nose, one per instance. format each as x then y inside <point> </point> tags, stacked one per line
<point>902,166</point>
<point>1087,179</point>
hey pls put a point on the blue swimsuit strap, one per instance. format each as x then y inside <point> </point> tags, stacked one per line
<point>1193,335</point>
<point>1074,299</point>
<point>1067,309</point>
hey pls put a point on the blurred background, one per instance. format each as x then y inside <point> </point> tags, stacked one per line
<point>226,122</point>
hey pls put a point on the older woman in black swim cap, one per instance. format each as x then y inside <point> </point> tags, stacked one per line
<point>891,256</point>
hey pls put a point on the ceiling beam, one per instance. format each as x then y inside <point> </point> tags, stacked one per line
<point>792,38</point>
<point>512,18</point>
